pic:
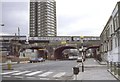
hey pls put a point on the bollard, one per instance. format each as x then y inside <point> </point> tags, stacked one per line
<point>111,66</point>
<point>9,65</point>
<point>82,67</point>
<point>115,68</point>
<point>107,64</point>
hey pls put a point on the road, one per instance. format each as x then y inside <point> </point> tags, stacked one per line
<point>48,70</point>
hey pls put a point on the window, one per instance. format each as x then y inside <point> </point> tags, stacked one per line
<point>111,44</point>
<point>116,22</point>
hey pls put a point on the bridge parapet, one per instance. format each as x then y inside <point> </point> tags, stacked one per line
<point>63,38</point>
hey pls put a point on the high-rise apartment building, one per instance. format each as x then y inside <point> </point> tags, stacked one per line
<point>42,18</point>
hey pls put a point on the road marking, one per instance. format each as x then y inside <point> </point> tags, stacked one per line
<point>45,74</point>
<point>6,76</point>
<point>78,65</point>
<point>8,72</point>
<point>21,73</point>
<point>31,77</point>
<point>33,73</point>
<point>44,78</point>
<point>59,74</point>
<point>18,76</point>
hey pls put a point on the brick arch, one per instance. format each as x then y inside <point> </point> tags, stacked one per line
<point>58,51</point>
<point>95,55</point>
<point>92,47</point>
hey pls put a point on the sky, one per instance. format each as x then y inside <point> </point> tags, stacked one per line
<point>74,17</point>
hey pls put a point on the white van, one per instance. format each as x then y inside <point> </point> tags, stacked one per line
<point>79,59</point>
<point>73,57</point>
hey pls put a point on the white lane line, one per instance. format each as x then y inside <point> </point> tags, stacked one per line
<point>59,74</point>
<point>33,73</point>
<point>8,72</point>
<point>45,74</point>
<point>21,73</point>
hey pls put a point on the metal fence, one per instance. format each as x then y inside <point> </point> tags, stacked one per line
<point>114,68</point>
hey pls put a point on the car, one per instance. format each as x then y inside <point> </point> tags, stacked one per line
<point>73,57</point>
<point>41,60</point>
<point>36,60</point>
<point>88,55</point>
<point>79,59</point>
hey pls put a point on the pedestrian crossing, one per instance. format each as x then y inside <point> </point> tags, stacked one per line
<point>45,74</point>
<point>20,73</point>
<point>59,75</point>
<point>8,72</point>
<point>31,74</point>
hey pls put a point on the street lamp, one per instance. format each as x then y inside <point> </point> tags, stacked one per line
<point>81,37</point>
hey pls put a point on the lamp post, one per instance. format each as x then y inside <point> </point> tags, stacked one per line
<point>81,37</point>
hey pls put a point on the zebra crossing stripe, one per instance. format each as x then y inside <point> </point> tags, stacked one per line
<point>45,74</point>
<point>33,73</point>
<point>8,72</point>
<point>59,74</point>
<point>21,73</point>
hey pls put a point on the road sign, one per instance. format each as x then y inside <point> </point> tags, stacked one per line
<point>81,37</point>
<point>63,42</point>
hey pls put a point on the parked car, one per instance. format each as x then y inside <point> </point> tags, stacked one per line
<point>79,59</point>
<point>72,57</point>
<point>36,60</point>
<point>41,60</point>
<point>88,55</point>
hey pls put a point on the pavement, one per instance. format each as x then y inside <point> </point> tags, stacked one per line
<point>94,71</point>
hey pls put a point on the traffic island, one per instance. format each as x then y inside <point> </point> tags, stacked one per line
<point>8,64</point>
<point>7,67</point>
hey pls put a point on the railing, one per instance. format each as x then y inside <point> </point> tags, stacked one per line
<point>12,38</point>
<point>114,67</point>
